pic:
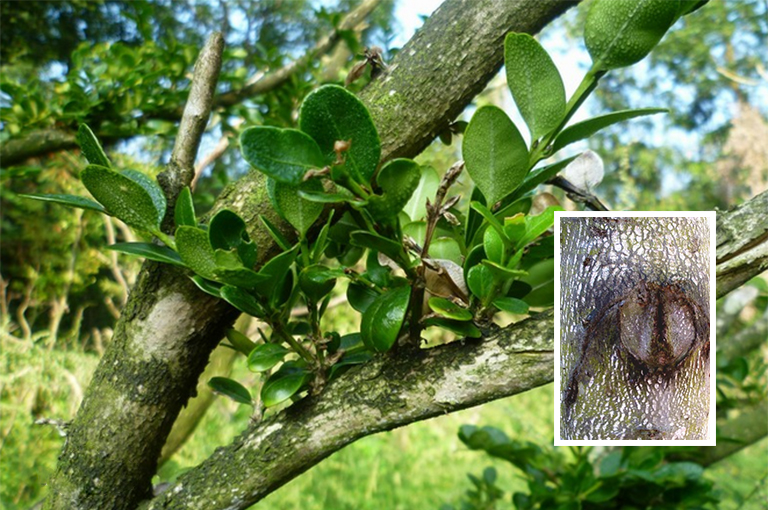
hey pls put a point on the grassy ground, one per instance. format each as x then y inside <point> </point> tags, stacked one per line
<point>420,466</point>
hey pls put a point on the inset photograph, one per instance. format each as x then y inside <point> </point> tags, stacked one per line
<point>634,331</point>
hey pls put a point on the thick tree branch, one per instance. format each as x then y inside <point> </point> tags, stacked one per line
<point>181,168</point>
<point>742,243</point>
<point>36,143</point>
<point>386,393</point>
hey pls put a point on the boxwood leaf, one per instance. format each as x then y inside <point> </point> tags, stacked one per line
<point>541,278</point>
<point>284,384</point>
<point>365,239</point>
<point>511,305</point>
<point>122,197</point>
<point>480,281</point>
<point>495,153</point>
<point>196,251</point>
<point>227,232</point>
<point>502,273</point>
<point>283,154</point>
<point>265,356</point>
<point>91,147</point>
<point>589,127</point>
<point>461,328</point>
<point>294,208</point>
<point>152,187</point>
<point>397,180</point>
<point>540,176</point>
<point>348,361</point>
<point>449,309</point>
<point>207,286</point>
<point>242,300</point>
<point>535,84</point>
<point>231,389</point>
<point>360,297</point>
<point>332,113</point>
<point>537,225</point>
<point>149,251</point>
<point>240,277</point>
<point>416,208</point>
<point>317,281</point>
<point>184,212</point>
<point>240,342</point>
<point>494,245</point>
<point>275,233</point>
<point>383,319</point>
<point>68,200</point>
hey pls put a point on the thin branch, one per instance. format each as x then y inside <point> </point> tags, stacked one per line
<point>577,194</point>
<point>180,170</point>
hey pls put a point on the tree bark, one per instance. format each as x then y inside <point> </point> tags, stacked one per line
<point>168,328</point>
<point>634,328</point>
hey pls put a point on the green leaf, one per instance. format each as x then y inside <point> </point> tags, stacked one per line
<point>122,197</point>
<point>494,153</point>
<point>282,154</point>
<point>541,277</point>
<point>265,356</point>
<point>376,242</point>
<point>348,361</point>
<point>540,176</point>
<point>227,232</point>
<point>317,281</point>
<point>587,128</point>
<point>275,233</point>
<point>184,213</point>
<point>240,277</point>
<point>231,389</point>
<point>242,300</point>
<point>535,84</point>
<point>196,252</point>
<point>537,225</point>
<point>68,200</point>
<point>449,309</point>
<point>207,286</point>
<point>494,245</point>
<point>149,251</point>
<point>397,180</point>
<point>383,319</point>
<point>619,34</point>
<point>322,197</point>
<point>480,280</point>
<point>296,210</point>
<point>490,218</point>
<point>511,305</point>
<point>461,328</point>
<point>502,273</point>
<point>446,248</point>
<point>321,243</point>
<point>240,342</point>
<point>284,384</point>
<point>360,297</point>
<point>429,181</point>
<point>91,147</point>
<point>332,113</point>
<point>151,187</point>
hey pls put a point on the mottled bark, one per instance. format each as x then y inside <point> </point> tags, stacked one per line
<point>168,328</point>
<point>36,144</point>
<point>634,328</point>
<point>385,393</point>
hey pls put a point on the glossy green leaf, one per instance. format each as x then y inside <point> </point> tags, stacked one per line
<point>207,286</point>
<point>397,180</point>
<point>495,153</point>
<point>283,384</point>
<point>492,220</point>
<point>540,176</point>
<point>449,309</point>
<point>184,212</point>
<point>149,251</point>
<point>227,231</point>
<point>541,277</point>
<point>537,225</point>
<point>383,319</point>
<point>282,154</point>
<point>360,297</point>
<point>417,230</point>
<point>275,233</point>
<point>122,197</point>
<point>332,113</point>
<point>152,187</point>
<point>461,328</point>
<point>511,305</point>
<point>242,300</point>
<point>377,273</point>
<point>68,200</point>
<point>279,265</point>
<point>535,84</point>
<point>376,242</point>
<point>240,277</point>
<point>317,281</point>
<point>502,273</point>
<point>90,147</point>
<point>240,342</point>
<point>296,210</point>
<point>265,356</point>
<point>494,245</point>
<point>321,243</point>
<point>429,181</point>
<point>446,248</point>
<point>480,280</point>
<point>231,389</point>
<point>619,34</point>
<point>586,128</point>
<point>322,197</point>
<point>196,252</point>
<point>348,361</point>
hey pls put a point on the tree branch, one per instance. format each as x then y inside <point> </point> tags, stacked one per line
<point>742,243</point>
<point>386,393</point>
<point>36,143</point>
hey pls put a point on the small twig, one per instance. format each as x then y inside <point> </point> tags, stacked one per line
<point>60,425</point>
<point>577,194</point>
<point>180,170</point>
